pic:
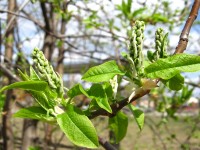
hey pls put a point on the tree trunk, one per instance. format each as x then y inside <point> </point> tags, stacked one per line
<point>29,137</point>
<point>7,133</point>
<point>60,66</point>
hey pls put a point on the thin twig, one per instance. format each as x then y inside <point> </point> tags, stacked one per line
<point>106,144</point>
<point>186,30</point>
<point>13,17</point>
<point>8,73</point>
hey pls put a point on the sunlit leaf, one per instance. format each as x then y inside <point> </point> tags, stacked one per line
<point>103,72</point>
<point>78,128</point>
<point>138,115</point>
<point>166,68</point>
<point>118,124</point>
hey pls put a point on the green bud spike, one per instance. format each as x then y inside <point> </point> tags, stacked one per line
<point>160,44</point>
<point>135,45</point>
<point>46,71</point>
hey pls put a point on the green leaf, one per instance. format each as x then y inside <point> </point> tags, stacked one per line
<point>166,68</point>
<point>175,83</point>
<point>76,90</point>
<point>186,92</point>
<point>138,115</point>
<point>103,72</point>
<point>157,17</point>
<point>2,102</point>
<point>150,55</point>
<point>24,76</point>
<point>41,99</point>
<point>34,112</point>
<point>118,124</point>
<point>27,85</point>
<point>97,92</point>
<point>138,11</point>
<point>108,89</point>
<point>78,128</point>
<point>33,75</point>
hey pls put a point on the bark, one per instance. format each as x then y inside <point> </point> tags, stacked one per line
<point>60,66</point>
<point>48,49</point>
<point>7,133</point>
<point>29,137</point>
<point>49,40</point>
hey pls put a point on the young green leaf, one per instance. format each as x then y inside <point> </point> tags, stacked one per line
<point>27,85</point>
<point>168,67</point>
<point>76,90</point>
<point>33,75</point>
<point>138,115</point>
<point>175,83</point>
<point>34,112</point>
<point>98,93</point>
<point>41,99</point>
<point>24,76</point>
<point>103,72</point>
<point>78,128</point>
<point>118,124</point>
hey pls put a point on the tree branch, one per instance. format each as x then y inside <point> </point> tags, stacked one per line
<point>106,144</point>
<point>8,73</point>
<point>186,30</point>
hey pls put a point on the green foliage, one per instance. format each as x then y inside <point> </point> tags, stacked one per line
<point>2,102</point>
<point>175,83</point>
<point>118,124</point>
<point>97,93</point>
<point>103,72</point>
<point>27,85</point>
<point>34,112</point>
<point>167,68</point>
<point>34,148</point>
<point>76,90</point>
<point>77,127</point>
<point>138,115</point>
<point>170,105</point>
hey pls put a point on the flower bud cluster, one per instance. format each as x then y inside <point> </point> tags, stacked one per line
<point>45,70</point>
<point>136,43</point>
<point>160,44</point>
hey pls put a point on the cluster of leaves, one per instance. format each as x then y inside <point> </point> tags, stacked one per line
<point>45,85</point>
<point>170,104</point>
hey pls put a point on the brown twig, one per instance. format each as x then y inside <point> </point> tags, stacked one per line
<point>117,106</point>
<point>186,30</point>
<point>9,73</point>
<point>106,144</point>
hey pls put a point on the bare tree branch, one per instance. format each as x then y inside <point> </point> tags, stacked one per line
<point>13,17</point>
<point>106,144</point>
<point>186,30</point>
<point>8,73</point>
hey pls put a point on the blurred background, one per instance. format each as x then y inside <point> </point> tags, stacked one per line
<point>78,34</point>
